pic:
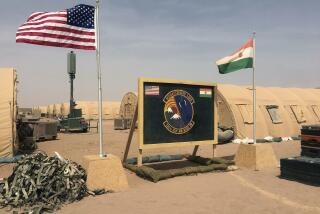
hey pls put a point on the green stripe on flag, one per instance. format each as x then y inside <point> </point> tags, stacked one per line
<point>205,95</point>
<point>236,65</point>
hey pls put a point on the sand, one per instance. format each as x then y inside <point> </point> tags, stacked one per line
<point>241,191</point>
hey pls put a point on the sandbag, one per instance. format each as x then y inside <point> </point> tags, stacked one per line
<point>208,161</point>
<point>154,175</point>
<point>225,136</point>
<point>156,158</point>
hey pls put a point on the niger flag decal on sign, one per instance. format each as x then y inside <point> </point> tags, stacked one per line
<point>242,58</point>
<point>205,92</point>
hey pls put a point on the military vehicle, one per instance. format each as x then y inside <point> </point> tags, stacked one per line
<point>31,129</point>
<point>74,122</point>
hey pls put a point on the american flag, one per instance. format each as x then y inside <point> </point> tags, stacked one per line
<point>70,28</point>
<point>151,90</point>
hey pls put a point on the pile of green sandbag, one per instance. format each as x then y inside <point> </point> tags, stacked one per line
<point>203,165</point>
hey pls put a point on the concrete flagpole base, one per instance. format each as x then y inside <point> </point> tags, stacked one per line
<point>256,156</point>
<point>106,172</point>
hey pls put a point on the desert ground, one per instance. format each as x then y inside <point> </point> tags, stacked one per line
<point>241,191</point>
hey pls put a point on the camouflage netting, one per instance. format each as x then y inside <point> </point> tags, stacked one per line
<point>43,183</point>
<point>205,165</point>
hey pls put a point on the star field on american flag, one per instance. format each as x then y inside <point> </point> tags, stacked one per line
<point>81,15</point>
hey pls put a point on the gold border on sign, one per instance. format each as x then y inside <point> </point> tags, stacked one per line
<point>141,82</point>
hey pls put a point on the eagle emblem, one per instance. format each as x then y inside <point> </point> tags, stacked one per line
<point>178,112</point>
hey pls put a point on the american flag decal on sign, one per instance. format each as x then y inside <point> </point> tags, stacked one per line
<point>70,28</point>
<point>151,90</point>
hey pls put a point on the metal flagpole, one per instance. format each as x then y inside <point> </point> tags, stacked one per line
<point>101,153</point>
<point>254,89</point>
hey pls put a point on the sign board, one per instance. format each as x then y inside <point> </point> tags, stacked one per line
<point>176,113</point>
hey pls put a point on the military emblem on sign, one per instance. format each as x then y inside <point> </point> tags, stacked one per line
<point>178,112</point>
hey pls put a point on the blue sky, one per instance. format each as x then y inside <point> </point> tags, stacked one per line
<point>173,39</point>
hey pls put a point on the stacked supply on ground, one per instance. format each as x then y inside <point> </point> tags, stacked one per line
<point>305,168</point>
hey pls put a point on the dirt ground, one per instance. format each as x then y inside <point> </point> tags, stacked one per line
<point>241,191</point>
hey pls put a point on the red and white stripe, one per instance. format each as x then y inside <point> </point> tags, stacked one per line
<point>51,29</point>
<point>152,90</point>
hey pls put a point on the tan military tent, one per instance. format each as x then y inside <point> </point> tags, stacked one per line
<point>89,109</point>
<point>54,110</point>
<point>43,110</point>
<point>63,110</point>
<point>49,110</point>
<point>58,109</point>
<point>8,111</point>
<point>110,110</point>
<point>280,111</point>
<point>128,105</point>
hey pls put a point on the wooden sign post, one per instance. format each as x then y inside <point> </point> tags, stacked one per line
<point>174,113</point>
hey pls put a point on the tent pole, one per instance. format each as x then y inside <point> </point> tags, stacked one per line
<point>254,89</point>
<point>101,153</point>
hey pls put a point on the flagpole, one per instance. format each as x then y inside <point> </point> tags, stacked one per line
<point>254,88</point>
<point>101,153</point>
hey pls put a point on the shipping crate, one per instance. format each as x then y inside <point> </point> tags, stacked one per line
<point>310,141</point>
<point>303,169</point>
<point>122,123</point>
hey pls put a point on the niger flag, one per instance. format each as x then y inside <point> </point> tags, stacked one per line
<point>242,58</point>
